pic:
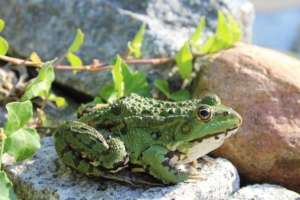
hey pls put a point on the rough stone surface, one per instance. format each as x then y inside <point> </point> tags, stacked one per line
<point>264,192</point>
<point>49,26</point>
<point>42,178</point>
<point>264,87</point>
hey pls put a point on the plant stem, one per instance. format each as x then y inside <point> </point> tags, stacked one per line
<point>2,146</point>
<point>94,67</point>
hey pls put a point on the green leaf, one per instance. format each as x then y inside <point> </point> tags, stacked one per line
<point>108,93</point>
<point>6,188</point>
<point>34,57</point>
<point>40,86</point>
<point>59,101</point>
<point>22,144</point>
<point>18,115</point>
<point>2,25</point>
<point>163,86</point>
<point>77,42</point>
<point>196,36</point>
<point>118,76</point>
<point>180,95</point>
<point>134,82</point>
<point>228,32</point>
<point>184,61</point>
<point>135,45</point>
<point>125,82</point>
<point>3,46</point>
<point>74,60</point>
<point>235,29</point>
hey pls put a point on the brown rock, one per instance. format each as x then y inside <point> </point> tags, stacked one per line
<point>264,87</point>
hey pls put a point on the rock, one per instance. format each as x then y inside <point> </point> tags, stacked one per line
<point>48,27</point>
<point>264,192</point>
<point>264,87</point>
<point>42,178</point>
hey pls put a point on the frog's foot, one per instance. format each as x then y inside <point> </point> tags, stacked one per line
<point>206,160</point>
<point>159,165</point>
<point>195,175</point>
<point>193,171</point>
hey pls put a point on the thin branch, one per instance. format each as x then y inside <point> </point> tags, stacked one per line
<point>151,61</point>
<point>94,67</point>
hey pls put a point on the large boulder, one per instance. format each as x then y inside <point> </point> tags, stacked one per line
<point>43,177</point>
<point>264,192</point>
<point>264,87</point>
<point>49,26</point>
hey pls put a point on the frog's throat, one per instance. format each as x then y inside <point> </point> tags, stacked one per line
<point>228,132</point>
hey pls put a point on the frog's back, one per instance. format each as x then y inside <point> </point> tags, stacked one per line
<point>135,106</point>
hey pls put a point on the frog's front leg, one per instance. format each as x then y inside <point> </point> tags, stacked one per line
<point>155,160</point>
<point>81,145</point>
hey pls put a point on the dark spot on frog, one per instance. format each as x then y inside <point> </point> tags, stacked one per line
<point>124,129</point>
<point>216,137</point>
<point>166,163</point>
<point>145,112</point>
<point>116,110</point>
<point>155,135</point>
<point>225,113</point>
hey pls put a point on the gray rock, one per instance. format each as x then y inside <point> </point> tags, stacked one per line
<point>49,26</point>
<point>42,178</point>
<point>265,192</point>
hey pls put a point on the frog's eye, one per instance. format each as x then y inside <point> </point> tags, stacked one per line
<point>204,113</point>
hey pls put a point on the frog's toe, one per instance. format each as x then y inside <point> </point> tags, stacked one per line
<point>206,160</point>
<point>196,176</point>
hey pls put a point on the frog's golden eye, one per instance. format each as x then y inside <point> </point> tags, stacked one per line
<point>204,113</point>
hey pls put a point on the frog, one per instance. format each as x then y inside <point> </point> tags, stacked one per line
<point>158,137</point>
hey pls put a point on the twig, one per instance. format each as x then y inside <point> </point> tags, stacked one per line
<point>151,61</point>
<point>94,67</point>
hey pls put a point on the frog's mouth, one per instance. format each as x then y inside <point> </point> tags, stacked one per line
<point>225,134</point>
<point>203,146</point>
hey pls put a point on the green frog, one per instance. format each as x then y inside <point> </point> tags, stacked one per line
<point>158,137</point>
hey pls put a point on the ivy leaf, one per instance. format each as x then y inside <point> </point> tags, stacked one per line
<point>125,82</point>
<point>228,32</point>
<point>135,45</point>
<point>19,114</point>
<point>6,188</point>
<point>108,93</point>
<point>77,42</point>
<point>118,76</point>
<point>34,57</point>
<point>2,25</point>
<point>40,86</point>
<point>3,46</point>
<point>22,144</point>
<point>134,82</point>
<point>74,60</point>
<point>59,101</point>
<point>163,86</point>
<point>234,28</point>
<point>196,36</point>
<point>180,95</point>
<point>184,61</point>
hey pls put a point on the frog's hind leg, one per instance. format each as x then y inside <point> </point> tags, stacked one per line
<point>82,147</point>
<point>158,164</point>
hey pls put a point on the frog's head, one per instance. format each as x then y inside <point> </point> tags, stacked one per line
<point>209,119</point>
